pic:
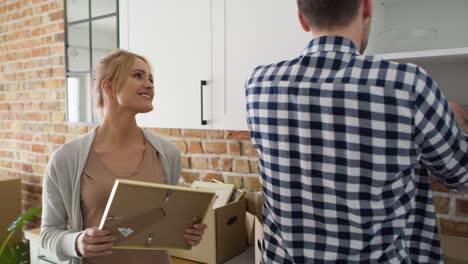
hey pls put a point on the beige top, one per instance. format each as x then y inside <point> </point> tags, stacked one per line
<point>96,185</point>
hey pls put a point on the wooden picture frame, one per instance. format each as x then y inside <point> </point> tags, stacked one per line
<point>153,216</point>
<point>236,196</point>
<point>223,192</point>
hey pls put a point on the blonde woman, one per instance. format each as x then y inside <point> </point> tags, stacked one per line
<point>80,174</point>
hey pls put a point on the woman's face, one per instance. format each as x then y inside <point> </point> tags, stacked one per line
<point>138,91</point>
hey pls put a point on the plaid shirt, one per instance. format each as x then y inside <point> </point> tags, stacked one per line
<point>345,142</point>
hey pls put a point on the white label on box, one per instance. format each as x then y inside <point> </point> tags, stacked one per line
<point>125,231</point>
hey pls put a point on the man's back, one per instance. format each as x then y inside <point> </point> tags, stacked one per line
<point>341,139</point>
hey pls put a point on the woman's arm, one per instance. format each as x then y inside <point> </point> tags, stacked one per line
<point>55,235</point>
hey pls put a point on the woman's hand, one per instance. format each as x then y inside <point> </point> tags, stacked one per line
<point>193,235</point>
<point>93,242</point>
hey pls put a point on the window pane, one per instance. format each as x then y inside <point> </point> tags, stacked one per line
<point>79,98</point>
<point>104,37</point>
<point>77,10</point>
<point>102,7</point>
<point>78,47</point>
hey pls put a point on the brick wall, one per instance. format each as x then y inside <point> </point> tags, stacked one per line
<point>32,115</point>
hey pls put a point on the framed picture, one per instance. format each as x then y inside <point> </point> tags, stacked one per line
<point>236,196</point>
<point>223,192</point>
<point>136,210</point>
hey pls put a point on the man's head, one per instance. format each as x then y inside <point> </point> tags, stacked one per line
<point>332,16</point>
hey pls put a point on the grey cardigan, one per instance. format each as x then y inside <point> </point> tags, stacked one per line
<point>61,210</point>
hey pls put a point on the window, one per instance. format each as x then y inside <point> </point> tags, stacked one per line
<point>91,31</point>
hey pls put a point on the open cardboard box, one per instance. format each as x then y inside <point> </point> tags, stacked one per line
<point>454,249</point>
<point>10,195</point>
<point>258,226</point>
<point>224,238</point>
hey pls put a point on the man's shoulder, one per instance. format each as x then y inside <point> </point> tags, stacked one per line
<point>271,71</point>
<point>395,74</point>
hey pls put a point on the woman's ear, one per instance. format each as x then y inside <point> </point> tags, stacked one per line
<point>106,87</point>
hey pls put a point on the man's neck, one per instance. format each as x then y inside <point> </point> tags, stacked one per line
<point>353,35</point>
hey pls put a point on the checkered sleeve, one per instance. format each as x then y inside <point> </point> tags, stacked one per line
<point>441,144</point>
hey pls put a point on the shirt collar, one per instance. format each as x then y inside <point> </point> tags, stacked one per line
<point>331,43</point>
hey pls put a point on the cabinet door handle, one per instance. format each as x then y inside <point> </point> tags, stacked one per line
<point>42,257</point>
<point>202,83</point>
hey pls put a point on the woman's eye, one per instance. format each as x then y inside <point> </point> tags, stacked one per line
<point>137,75</point>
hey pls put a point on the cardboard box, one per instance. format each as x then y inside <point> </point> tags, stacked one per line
<point>258,240</point>
<point>224,238</point>
<point>250,227</point>
<point>10,209</point>
<point>454,249</point>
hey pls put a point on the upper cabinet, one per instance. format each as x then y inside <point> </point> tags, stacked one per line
<point>202,51</point>
<point>419,28</point>
<point>175,35</point>
<point>430,33</point>
<point>247,34</point>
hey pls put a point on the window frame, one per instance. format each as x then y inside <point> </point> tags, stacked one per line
<point>70,73</point>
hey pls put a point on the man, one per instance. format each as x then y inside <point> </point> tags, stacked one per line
<point>345,142</point>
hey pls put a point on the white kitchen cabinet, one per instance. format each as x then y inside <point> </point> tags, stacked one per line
<point>430,33</point>
<point>247,34</point>
<point>175,35</point>
<point>221,41</point>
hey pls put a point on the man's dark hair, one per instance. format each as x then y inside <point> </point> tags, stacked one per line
<point>328,14</point>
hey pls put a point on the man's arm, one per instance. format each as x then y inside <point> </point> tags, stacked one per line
<point>441,144</point>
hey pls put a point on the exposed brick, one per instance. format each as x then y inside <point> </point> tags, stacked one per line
<point>241,166</point>
<point>59,37</point>
<point>58,117</point>
<point>195,133</point>
<point>181,146</point>
<point>462,208</point>
<point>436,186</point>
<point>207,177</point>
<point>199,163</point>
<point>37,148</point>
<point>252,183</point>
<point>194,147</point>
<point>189,177</point>
<point>58,139</point>
<point>225,164</point>
<point>56,15</point>
<point>234,148</point>
<point>163,132</point>
<point>242,135</point>
<point>214,134</point>
<point>185,162</point>
<point>237,180</point>
<point>247,149</point>
<point>441,204</point>
<point>30,188</point>
<point>254,202</point>
<point>253,166</point>
<point>214,163</point>
<point>175,132</point>
<point>453,228</point>
<point>215,147</point>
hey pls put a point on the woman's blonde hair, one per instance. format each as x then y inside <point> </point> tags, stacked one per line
<point>115,68</point>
